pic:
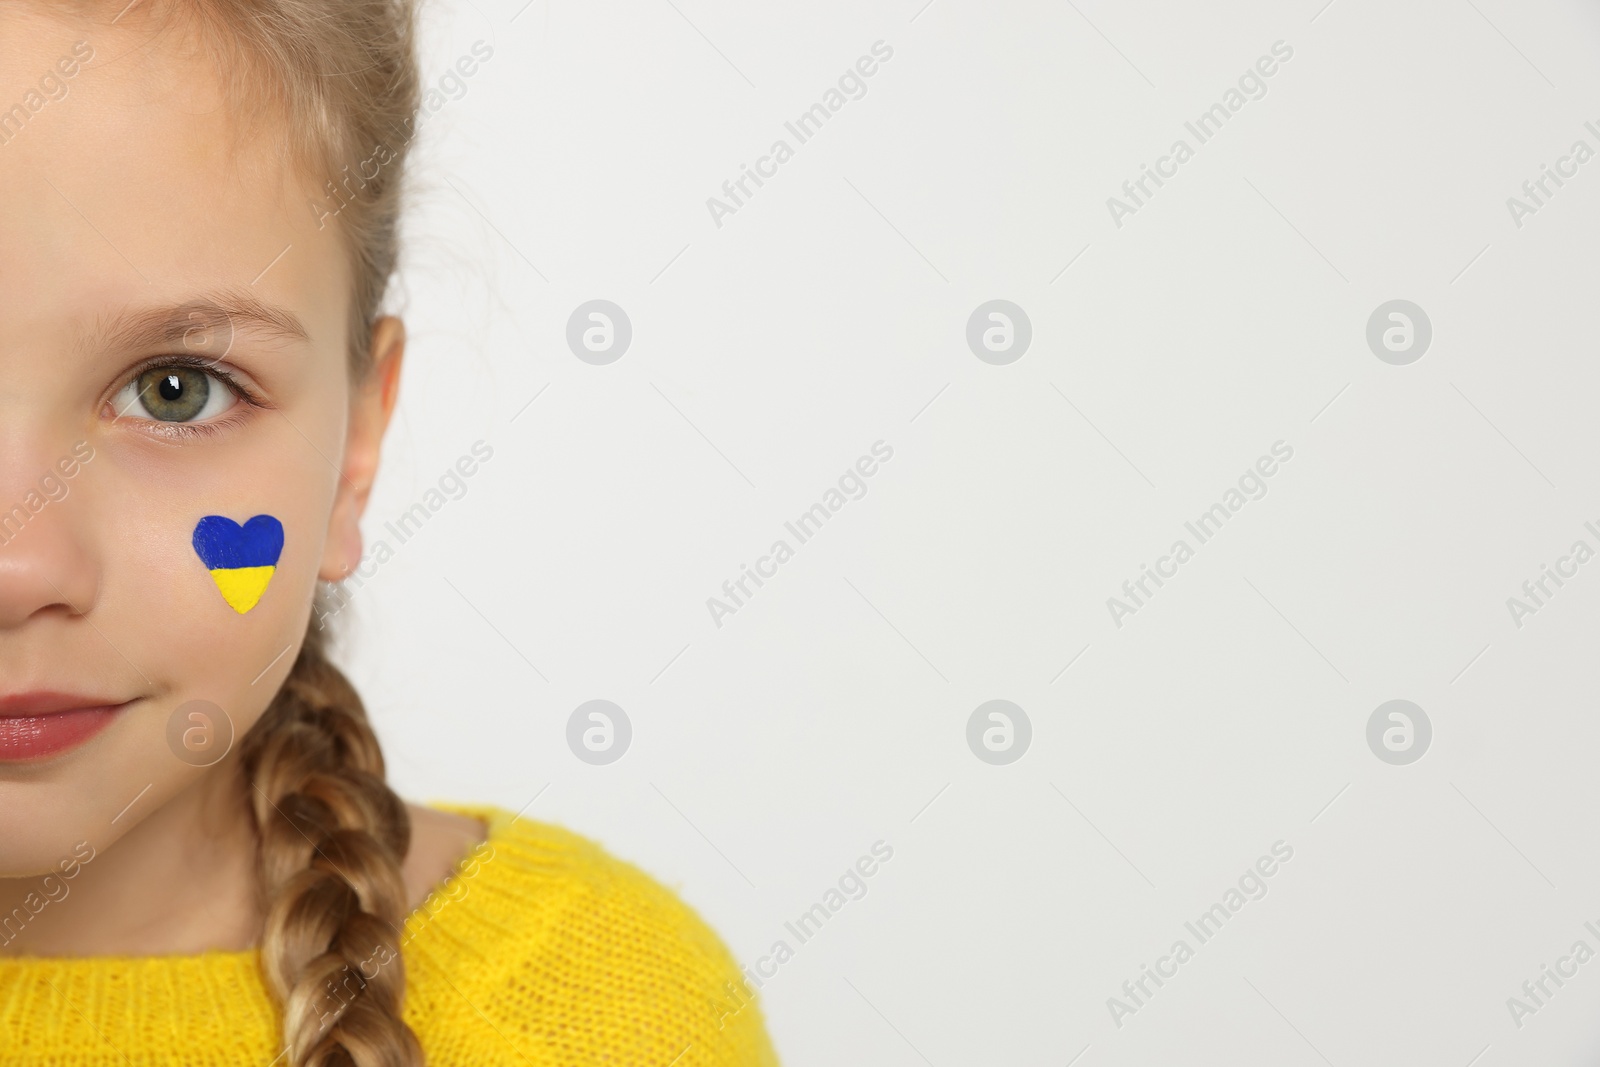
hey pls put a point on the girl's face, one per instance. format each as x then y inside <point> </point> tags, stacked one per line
<point>172,347</point>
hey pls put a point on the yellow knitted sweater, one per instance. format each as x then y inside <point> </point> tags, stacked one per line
<point>540,950</point>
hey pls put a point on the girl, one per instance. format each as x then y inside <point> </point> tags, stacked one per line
<point>200,861</point>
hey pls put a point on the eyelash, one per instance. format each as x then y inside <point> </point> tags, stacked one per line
<point>196,429</point>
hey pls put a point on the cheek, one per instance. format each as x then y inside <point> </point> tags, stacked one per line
<point>171,606</point>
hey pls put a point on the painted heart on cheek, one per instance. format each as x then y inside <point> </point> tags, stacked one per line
<point>241,559</point>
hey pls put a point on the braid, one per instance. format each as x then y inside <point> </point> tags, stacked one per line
<point>332,837</point>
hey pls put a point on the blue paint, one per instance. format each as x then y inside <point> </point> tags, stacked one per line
<point>224,545</point>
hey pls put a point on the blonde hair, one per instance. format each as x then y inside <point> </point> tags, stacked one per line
<point>341,78</point>
<point>332,837</point>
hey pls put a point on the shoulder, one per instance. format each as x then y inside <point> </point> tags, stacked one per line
<point>574,955</point>
<point>439,841</point>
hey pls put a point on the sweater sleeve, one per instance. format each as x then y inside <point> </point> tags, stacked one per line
<point>668,971</point>
<point>553,951</point>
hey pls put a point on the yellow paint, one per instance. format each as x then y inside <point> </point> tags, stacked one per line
<point>242,586</point>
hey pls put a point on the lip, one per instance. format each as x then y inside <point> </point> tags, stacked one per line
<point>38,725</point>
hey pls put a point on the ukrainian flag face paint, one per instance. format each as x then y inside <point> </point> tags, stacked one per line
<point>241,559</point>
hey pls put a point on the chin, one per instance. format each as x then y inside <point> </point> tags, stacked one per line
<point>31,847</point>
<point>67,809</point>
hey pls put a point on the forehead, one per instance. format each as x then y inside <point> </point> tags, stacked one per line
<point>127,180</point>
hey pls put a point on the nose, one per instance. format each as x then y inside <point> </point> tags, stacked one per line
<point>45,565</point>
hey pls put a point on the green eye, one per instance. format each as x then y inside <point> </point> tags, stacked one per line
<point>174,393</point>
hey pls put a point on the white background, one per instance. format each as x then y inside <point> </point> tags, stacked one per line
<point>1227,314</point>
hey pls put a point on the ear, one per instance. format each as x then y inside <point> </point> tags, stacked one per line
<point>370,409</point>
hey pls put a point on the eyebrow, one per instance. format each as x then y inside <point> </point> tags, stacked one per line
<point>206,323</point>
